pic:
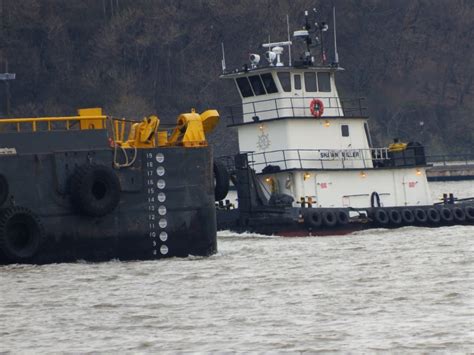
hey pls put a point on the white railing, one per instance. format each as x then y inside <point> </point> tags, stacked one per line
<point>318,159</point>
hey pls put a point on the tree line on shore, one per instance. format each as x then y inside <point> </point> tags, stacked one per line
<point>413,60</point>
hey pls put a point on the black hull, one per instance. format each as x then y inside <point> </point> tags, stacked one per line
<point>277,216</point>
<point>41,182</point>
<point>290,222</point>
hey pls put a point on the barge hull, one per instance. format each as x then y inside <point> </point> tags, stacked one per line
<point>165,205</point>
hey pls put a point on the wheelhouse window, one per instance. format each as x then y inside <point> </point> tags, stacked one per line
<point>310,82</point>
<point>285,81</point>
<point>244,87</point>
<point>324,82</point>
<point>297,81</point>
<point>269,83</point>
<point>345,130</point>
<point>257,85</point>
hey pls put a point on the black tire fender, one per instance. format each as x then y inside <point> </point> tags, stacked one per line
<point>395,217</point>
<point>408,217</point>
<point>420,215</point>
<point>4,189</point>
<point>381,217</point>
<point>95,190</point>
<point>342,217</point>
<point>433,216</point>
<point>313,219</point>
<point>329,218</point>
<point>221,178</point>
<point>469,212</point>
<point>446,215</point>
<point>21,234</point>
<point>459,215</point>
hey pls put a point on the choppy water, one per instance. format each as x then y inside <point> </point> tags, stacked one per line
<point>410,289</point>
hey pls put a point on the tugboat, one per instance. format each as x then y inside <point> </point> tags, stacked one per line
<point>93,187</point>
<point>307,165</point>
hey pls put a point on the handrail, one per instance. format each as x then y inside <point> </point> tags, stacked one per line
<point>303,157</point>
<point>291,103</point>
<point>45,119</point>
<point>451,159</point>
<point>36,120</point>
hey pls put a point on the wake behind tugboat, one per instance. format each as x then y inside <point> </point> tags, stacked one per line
<point>307,164</point>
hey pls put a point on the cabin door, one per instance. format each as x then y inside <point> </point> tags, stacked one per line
<point>348,154</point>
<point>298,103</point>
<point>325,194</point>
<point>412,191</point>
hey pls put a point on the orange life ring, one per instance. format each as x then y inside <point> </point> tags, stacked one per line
<point>316,107</point>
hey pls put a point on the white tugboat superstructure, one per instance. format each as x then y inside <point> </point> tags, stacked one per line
<point>324,156</point>
<point>310,152</point>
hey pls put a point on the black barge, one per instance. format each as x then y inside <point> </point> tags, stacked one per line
<point>94,188</point>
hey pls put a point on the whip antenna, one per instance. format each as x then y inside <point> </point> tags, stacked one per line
<point>289,40</point>
<point>223,58</point>
<point>336,55</point>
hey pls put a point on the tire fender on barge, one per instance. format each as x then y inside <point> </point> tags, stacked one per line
<point>21,234</point>
<point>95,190</point>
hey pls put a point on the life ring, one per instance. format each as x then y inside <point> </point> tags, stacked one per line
<point>316,107</point>
<point>329,218</point>
<point>21,234</point>
<point>3,189</point>
<point>313,219</point>
<point>407,216</point>
<point>95,190</point>
<point>221,181</point>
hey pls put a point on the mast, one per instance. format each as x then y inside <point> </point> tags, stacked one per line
<point>336,55</point>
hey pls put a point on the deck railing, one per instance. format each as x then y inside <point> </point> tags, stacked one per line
<point>451,159</point>
<point>295,107</point>
<point>51,123</point>
<point>318,158</point>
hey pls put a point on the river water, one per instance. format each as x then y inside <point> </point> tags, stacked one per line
<point>404,290</point>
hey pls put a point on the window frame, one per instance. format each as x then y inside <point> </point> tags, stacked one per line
<point>345,132</point>
<point>306,82</point>
<point>272,87</point>
<point>279,74</point>
<point>328,81</point>
<point>258,88</point>
<point>244,78</point>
